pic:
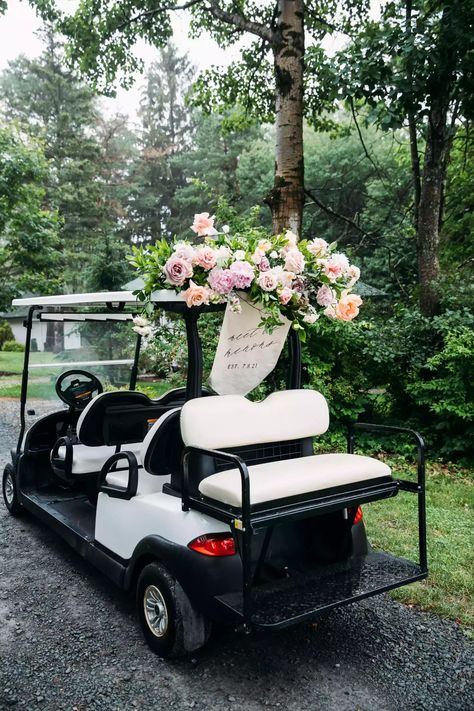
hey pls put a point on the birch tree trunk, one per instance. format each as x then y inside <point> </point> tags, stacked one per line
<point>287,196</point>
<point>430,208</point>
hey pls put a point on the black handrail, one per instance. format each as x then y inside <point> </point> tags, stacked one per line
<point>404,485</point>
<point>117,492</point>
<point>241,526</point>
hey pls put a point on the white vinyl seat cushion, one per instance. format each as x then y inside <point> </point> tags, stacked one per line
<point>147,483</point>
<point>293,477</point>
<point>88,460</point>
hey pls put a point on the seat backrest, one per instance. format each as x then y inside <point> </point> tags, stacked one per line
<point>230,421</point>
<point>123,416</point>
<point>162,448</point>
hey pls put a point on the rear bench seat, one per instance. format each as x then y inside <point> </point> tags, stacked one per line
<point>232,423</point>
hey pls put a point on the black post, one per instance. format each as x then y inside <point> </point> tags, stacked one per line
<point>194,380</point>
<point>24,380</point>
<point>134,373</point>
<point>294,357</point>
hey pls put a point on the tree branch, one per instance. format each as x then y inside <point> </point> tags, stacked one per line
<point>332,213</point>
<point>156,11</point>
<point>237,19</point>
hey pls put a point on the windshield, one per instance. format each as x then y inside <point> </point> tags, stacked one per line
<point>102,347</point>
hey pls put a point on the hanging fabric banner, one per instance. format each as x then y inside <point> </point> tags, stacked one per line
<point>245,354</point>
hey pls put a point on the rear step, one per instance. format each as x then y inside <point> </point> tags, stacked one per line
<point>305,595</point>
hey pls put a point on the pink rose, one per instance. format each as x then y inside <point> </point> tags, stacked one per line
<point>221,280</point>
<point>264,264</point>
<point>257,256</point>
<point>196,295</point>
<point>325,295</point>
<point>354,274</point>
<point>285,295</point>
<point>203,224</point>
<point>183,250</point>
<point>348,307</point>
<point>243,274</point>
<point>267,281</point>
<point>294,261</point>
<point>177,270</point>
<point>206,258</point>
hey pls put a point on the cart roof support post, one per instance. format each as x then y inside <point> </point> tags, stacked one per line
<point>294,357</point>
<point>194,379</point>
<point>136,357</point>
<point>24,379</point>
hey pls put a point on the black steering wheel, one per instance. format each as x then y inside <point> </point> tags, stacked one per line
<point>77,388</point>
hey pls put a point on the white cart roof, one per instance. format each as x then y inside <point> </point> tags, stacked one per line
<point>100,297</point>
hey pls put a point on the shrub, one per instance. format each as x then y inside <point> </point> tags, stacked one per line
<point>6,333</point>
<point>13,347</point>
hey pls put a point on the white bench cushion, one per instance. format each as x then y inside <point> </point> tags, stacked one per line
<point>87,460</point>
<point>224,421</point>
<point>292,477</point>
<point>147,483</point>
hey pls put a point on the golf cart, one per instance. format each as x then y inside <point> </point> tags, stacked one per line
<point>211,508</point>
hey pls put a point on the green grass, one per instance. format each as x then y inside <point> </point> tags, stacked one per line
<point>393,526</point>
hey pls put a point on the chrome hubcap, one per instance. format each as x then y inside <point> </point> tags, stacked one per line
<point>156,613</point>
<point>9,490</point>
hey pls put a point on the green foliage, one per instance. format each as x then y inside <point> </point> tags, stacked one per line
<point>29,255</point>
<point>6,333</point>
<point>13,347</point>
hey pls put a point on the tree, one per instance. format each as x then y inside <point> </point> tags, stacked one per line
<point>29,256</point>
<point>269,80</point>
<point>49,102</point>
<point>413,68</point>
<point>166,130</point>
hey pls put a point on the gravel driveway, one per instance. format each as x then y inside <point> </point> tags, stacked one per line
<point>69,640</point>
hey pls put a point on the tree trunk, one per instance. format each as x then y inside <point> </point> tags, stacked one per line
<point>287,196</point>
<point>429,214</point>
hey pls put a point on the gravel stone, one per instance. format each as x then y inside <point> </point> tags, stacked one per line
<point>69,641</point>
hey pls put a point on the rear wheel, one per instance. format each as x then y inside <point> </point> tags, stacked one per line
<point>10,492</point>
<point>171,625</point>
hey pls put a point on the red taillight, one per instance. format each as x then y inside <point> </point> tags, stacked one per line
<point>213,544</point>
<point>358,517</point>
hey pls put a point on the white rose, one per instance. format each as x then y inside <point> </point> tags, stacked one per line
<point>239,255</point>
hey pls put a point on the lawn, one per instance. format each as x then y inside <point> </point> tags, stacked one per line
<point>393,526</point>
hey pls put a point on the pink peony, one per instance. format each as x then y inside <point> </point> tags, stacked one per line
<point>196,295</point>
<point>264,264</point>
<point>243,274</point>
<point>336,266</point>
<point>294,261</point>
<point>267,281</point>
<point>348,307</point>
<point>317,247</point>
<point>203,224</point>
<point>325,295</point>
<point>177,270</point>
<point>206,258</point>
<point>221,281</point>
<point>285,295</point>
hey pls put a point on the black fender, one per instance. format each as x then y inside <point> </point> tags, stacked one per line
<point>201,577</point>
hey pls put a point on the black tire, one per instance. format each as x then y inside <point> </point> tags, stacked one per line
<point>181,629</point>
<point>10,491</point>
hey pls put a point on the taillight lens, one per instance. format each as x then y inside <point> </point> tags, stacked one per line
<point>213,544</point>
<point>358,517</point>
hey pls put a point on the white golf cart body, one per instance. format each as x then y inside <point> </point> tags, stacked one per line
<point>138,481</point>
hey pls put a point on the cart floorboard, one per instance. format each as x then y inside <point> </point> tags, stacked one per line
<point>71,515</point>
<point>305,594</point>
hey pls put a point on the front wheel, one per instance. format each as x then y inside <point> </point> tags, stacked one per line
<point>170,624</point>
<point>10,491</point>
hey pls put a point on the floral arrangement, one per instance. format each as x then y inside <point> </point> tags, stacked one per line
<point>299,280</point>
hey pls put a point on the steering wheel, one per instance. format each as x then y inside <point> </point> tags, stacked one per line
<point>77,388</point>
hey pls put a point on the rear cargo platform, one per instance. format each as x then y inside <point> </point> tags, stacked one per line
<point>304,595</point>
